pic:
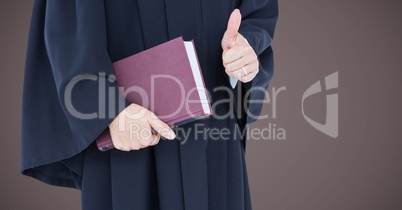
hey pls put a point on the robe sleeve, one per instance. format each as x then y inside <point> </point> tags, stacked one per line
<point>259,19</point>
<point>68,75</point>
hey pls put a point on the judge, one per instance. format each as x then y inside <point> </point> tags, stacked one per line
<point>68,39</point>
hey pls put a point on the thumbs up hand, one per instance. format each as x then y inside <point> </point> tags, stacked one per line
<point>239,58</point>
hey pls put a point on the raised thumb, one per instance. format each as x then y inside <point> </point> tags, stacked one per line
<point>233,28</point>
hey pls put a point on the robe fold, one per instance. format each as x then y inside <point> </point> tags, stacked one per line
<point>70,97</point>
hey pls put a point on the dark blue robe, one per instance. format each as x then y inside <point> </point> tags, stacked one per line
<point>70,38</point>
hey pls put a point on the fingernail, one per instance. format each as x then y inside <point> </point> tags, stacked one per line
<point>172,135</point>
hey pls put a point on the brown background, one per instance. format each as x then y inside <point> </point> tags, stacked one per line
<point>361,169</point>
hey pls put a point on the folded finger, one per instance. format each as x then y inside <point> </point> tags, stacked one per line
<point>156,140</point>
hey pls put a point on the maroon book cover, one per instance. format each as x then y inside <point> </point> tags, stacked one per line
<point>165,79</point>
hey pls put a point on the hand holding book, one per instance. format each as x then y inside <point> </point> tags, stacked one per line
<point>167,82</point>
<point>143,122</point>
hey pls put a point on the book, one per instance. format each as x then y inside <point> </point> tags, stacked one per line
<point>167,80</point>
